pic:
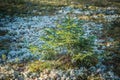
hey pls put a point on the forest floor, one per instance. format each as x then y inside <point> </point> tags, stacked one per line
<point>22,25</point>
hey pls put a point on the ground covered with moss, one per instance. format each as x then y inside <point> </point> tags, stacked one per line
<point>60,40</point>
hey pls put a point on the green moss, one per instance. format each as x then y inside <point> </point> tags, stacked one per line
<point>85,59</point>
<point>34,49</point>
<point>94,77</point>
<point>63,62</point>
<point>4,57</point>
<point>66,36</point>
<point>40,66</point>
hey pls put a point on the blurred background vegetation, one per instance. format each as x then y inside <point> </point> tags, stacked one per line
<point>14,7</point>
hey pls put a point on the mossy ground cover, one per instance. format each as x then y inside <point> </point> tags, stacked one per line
<point>66,61</point>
